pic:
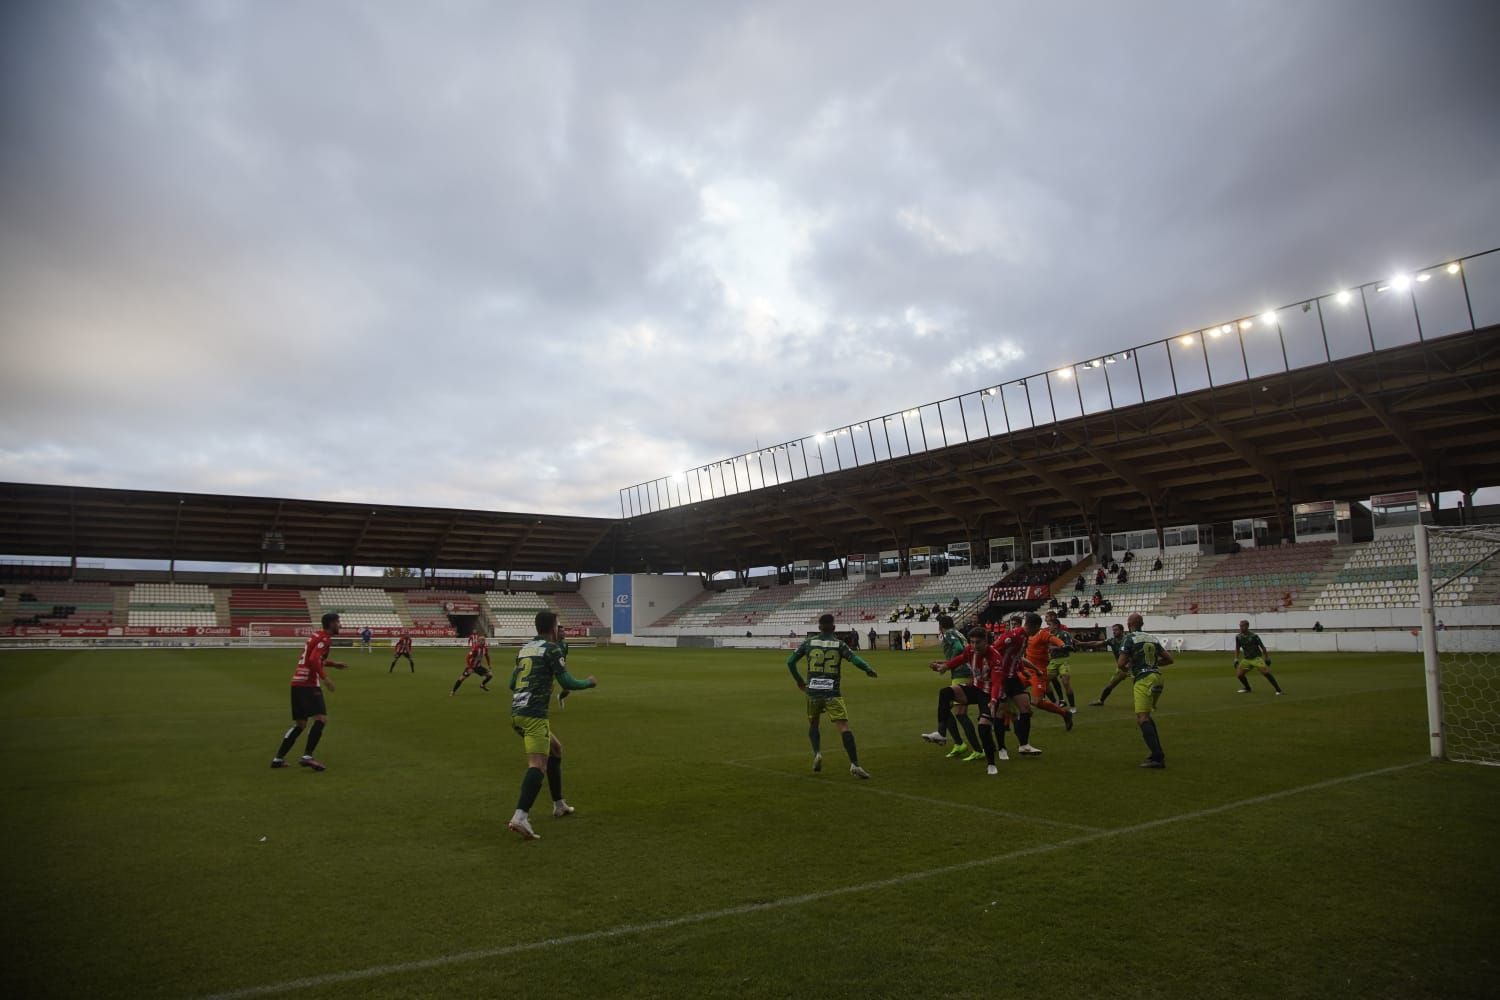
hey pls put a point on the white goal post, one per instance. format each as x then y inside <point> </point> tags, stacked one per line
<point>1462,660</point>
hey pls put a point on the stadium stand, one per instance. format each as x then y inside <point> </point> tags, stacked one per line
<point>1254,581</point>
<point>704,608</point>
<point>249,605</point>
<point>1144,589</point>
<point>171,604</point>
<point>426,607</point>
<point>50,604</point>
<point>514,614</point>
<point>359,606</point>
<point>1383,574</point>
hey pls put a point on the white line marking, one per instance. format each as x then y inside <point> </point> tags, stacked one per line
<point>397,968</point>
<point>865,788</point>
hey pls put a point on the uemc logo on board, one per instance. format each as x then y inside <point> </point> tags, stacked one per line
<point>622,600</point>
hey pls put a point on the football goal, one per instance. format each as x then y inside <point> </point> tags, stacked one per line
<point>1460,640</point>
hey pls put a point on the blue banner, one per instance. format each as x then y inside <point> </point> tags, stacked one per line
<point>623,623</point>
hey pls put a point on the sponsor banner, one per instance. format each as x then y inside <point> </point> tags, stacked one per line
<point>461,607</point>
<point>624,623</point>
<point>1036,592</point>
<point>209,631</point>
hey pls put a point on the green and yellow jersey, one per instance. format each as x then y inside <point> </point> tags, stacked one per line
<point>538,664</point>
<point>1142,649</point>
<point>954,643</point>
<point>825,653</point>
<point>1247,646</point>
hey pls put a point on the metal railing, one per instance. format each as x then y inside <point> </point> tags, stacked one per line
<point>1411,307</point>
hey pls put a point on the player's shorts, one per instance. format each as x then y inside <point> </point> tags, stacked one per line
<point>1253,663</point>
<point>974,696</point>
<point>1036,681</point>
<point>536,734</point>
<point>1060,668</point>
<point>307,702</point>
<point>480,669</point>
<point>1147,690</point>
<point>1014,686</point>
<point>833,706</point>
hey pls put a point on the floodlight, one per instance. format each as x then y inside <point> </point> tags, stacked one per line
<point>1268,317</point>
<point>1215,332</point>
<point>1342,297</point>
<point>1186,340</point>
<point>1401,282</point>
<point>1245,324</point>
<point>818,438</point>
<point>1065,373</point>
<point>991,391</point>
<point>1424,277</point>
<point>1453,268</point>
<point>909,413</point>
<point>1227,328</point>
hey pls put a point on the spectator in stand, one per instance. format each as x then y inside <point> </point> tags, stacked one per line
<point>1156,566</point>
<point>953,604</point>
<point>1099,577</point>
<point>1073,604</point>
<point>873,638</point>
<point>1078,585</point>
<point>1097,598</point>
<point>1128,556</point>
<point>1317,626</point>
<point>1004,568</point>
<point>1105,606</point>
<point>1124,576</point>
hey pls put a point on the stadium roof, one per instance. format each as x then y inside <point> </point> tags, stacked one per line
<point>1420,416</point>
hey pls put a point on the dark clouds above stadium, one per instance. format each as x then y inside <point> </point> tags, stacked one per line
<point>517,256</point>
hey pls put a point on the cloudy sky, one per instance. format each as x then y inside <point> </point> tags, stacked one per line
<point>518,256</point>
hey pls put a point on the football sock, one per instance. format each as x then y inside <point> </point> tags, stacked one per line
<point>1051,706</point>
<point>314,736</point>
<point>411,663</point>
<point>1272,679</point>
<point>1054,688</point>
<point>456,684</point>
<point>531,786</point>
<point>970,737</point>
<point>288,741</point>
<point>1148,732</point>
<point>987,740</point>
<point>554,778</point>
<point>1023,728</point>
<point>1072,702</point>
<point>393,667</point>
<point>815,737</point>
<point>849,748</point>
<point>1245,682</point>
<point>945,708</point>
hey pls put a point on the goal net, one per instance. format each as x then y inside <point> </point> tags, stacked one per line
<point>1456,595</point>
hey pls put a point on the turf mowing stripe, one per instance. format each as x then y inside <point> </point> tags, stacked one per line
<point>868,789</point>
<point>418,965</point>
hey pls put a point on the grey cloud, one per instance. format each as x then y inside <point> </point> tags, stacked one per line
<point>462,255</point>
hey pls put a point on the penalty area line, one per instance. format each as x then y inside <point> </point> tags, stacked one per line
<point>786,902</point>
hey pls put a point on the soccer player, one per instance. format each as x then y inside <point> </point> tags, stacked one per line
<point>307,693</point>
<point>477,661</point>
<point>365,635</point>
<point>1060,686</point>
<point>1249,652</point>
<point>1143,654</point>
<point>538,664</point>
<point>948,716</point>
<point>403,648</point>
<point>1039,646</point>
<point>825,654</point>
<point>983,663</point>
<point>1113,643</point>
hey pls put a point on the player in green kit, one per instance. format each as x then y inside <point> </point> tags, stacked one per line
<point>825,653</point>
<point>1113,643</point>
<point>1249,652</point>
<point>1143,654</point>
<point>952,709</point>
<point>1060,682</point>
<point>538,664</point>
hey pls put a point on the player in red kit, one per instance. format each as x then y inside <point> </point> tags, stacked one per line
<point>477,662</point>
<point>986,664</point>
<point>403,648</point>
<point>307,693</point>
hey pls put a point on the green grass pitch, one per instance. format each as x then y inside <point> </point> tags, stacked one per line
<point>151,851</point>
